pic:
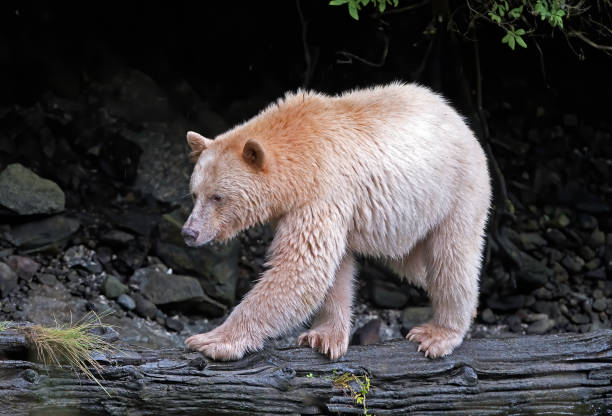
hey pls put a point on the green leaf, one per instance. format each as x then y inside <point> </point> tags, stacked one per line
<point>495,18</point>
<point>520,40</point>
<point>509,39</point>
<point>353,10</point>
<point>381,6</point>
<point>516,12</point>
<point>519,32</point>
<point>338,2</point>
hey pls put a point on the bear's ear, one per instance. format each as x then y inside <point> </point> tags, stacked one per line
<point>254,154</point>
<point>197,143</point>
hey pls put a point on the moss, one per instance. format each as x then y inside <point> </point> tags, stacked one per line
<point>357,386</point>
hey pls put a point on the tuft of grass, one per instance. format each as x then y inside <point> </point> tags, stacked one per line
<point>357,386</point>
<point>4,325</point>
<point>72,344</point>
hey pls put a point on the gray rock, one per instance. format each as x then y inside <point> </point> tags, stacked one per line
<point>174,324</point>
<point>126,302</point>
<point>597,239</point>
<point>563,221</point>
<point>600,305</point>
<point>82,257</point>
<point>556,237</point>
<point>117,238</point>
<point>25,193</point>
<point>215,265</point>
<point>580,319</point>
<point>47,279</point>
<point>24,266</point>
<point>488,316</point>
<point>532,273</point>
<point>8,280</point>
<point>531,241</point>
<point>541,327</point>
<point>145,307</point>
<point>416,315</point>
<point>573,263</point>
<point>368,334</point>
<point>178,291</point>
<point>44,234</point>
<point>113,288</point>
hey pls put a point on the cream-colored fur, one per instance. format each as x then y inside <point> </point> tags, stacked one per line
<point>391,172</point>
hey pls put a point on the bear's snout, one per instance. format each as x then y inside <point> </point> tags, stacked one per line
<point>190,236</point>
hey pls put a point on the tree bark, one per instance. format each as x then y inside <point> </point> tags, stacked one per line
<point>552,374</point>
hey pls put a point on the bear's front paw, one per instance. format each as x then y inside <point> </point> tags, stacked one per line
<point>434,340</point>
<point>221,344</point>
<point>331,343</point>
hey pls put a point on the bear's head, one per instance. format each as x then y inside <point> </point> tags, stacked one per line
<point>229,188</point>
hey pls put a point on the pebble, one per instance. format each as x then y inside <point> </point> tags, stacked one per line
<point>488,316</point>
<point>580,318</point>
<point>556,237</point>
<point>597,274</point>
<point>573,263</point>
<point>113,288</point>
<point>600,305</point>
<point>597,238</point>
<point>47,279</point>
<point>126,302</point>
<point>587,222</point>
<point>174,324</point>
<point>368,334</point>
<point>541,327</point>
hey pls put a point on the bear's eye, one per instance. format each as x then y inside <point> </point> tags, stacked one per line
<point>216,197</point>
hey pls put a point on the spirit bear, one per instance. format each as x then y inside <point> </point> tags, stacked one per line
<point>391,172</point>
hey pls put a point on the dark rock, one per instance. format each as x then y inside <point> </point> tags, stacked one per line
<point>24,266</point>
<point>81,257</point>
<point>506,303</point>
<point>368,334</point>
<point>531,241</point>
<point>556,237</point>
<point>145,307</point>
<point>43,234</point>
<point>416,315</point>
<point>488,316</point>
<point>596,239</point>
<point>600,305</point>
<point>549,308</point>
<point>126,302</point>
<point>560,273</point>
<point>8,280</point>
<point>47,279</point>
<point>593,264</point>
<point>562,220</point>
<point>25,193</point>
<point>597,274</point>
<point>514,323</point>
<point>532,273</point>
<point>216,265</point>
<point>118,158</point>
<point>586,253</point>
<point>385,294</point>
<point>141,223</point>
<point>541,327</point>
<point>117,238</point>
<point>580,319</point>
<point>573,263</point>
<point>113,288</point>
<point>570,120</point>
<point>587,222</point>
<point>171,291</point>
<point>174,324</point>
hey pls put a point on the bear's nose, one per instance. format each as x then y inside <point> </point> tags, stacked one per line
<point>189,235</point>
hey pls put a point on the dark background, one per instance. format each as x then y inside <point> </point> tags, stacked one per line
<point>69,112</point>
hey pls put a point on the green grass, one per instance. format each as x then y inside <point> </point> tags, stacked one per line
<point>72,344</point>
<point>357,386</point>
<point>4,326</point>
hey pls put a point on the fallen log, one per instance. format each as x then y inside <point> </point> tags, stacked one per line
<point>553,374</point>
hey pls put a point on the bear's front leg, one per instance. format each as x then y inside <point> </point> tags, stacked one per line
<point>305,253</point>
<point>331,327</point>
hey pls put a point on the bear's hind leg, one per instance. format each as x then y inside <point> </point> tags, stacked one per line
<point>331,326</point>
<point>453,264</point>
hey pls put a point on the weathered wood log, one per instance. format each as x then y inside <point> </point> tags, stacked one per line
<point>553,374</point>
